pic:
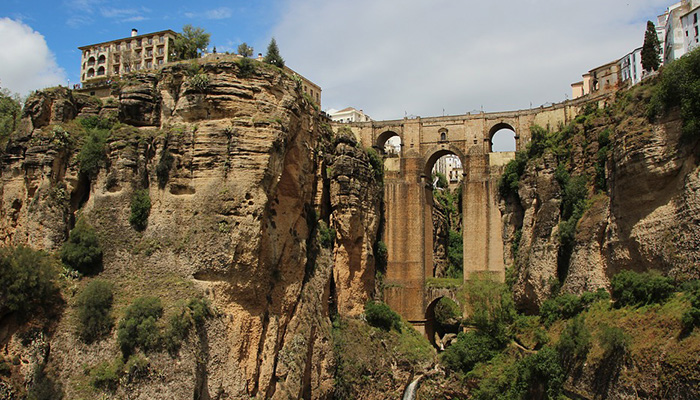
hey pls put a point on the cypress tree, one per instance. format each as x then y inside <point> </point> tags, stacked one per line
<point>651,49</point>
<point>273,54</point>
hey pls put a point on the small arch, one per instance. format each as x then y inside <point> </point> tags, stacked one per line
<point>384,137</point>
<point>440,327</point>
<point>102,59</point>
<point>91,73</point>
<point>502,138</point>
<point>91,61</point>
<point>443,134</point>
<point>101,71</point>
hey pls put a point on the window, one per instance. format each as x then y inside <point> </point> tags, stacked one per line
<point>696,31</point>
<point>116,70</point>
<point>162,39</point>
<point>117,47</point>
<point>160,61</point>
<point>128,46</point>
<point>160,50</point>
<point>101,71</point>
<point>138,43</point>
<point>695,18</point>
<point>149,64</point>
<point>102,59</point>
<point>150,40</point>
<point>91,73</point>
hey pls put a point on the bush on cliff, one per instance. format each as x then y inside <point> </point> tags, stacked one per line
<point>92,154</point>
<point>140,209</point>
<point>82,251</point>
<point>138,328</point>
<point>26,279</point>
<point>94,305</point>
<point>381,316</point>
<point>631,288</point>
<point>679,86</point>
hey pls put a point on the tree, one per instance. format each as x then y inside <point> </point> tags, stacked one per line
<point>190,43</point>
<point>651,49</point>
<point>273,54</point>
<point>9,113</point>
<point>245,50</point>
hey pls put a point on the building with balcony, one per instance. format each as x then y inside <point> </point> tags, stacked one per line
<point>102,62</point>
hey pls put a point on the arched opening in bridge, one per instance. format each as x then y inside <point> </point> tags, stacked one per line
<point>503,138</point>
<point>442,321</point>
<point>389,143</point>
<point>445,188</point>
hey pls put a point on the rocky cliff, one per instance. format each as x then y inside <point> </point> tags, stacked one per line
<point>640,206</point>
<point>243,178</point>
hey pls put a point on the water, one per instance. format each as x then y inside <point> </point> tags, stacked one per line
<point>410,393</point>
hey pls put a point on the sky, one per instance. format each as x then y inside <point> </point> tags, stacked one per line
<point>390,58</point>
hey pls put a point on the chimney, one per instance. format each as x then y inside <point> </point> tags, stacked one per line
<point>134,32</point>
<point>260,57</point>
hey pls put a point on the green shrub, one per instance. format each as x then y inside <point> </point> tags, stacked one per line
<point>105,375</point>
<point>515,245</point>
<point>163,168</point>
<point>678,87</point>
<point>137,367</point>
<point>469,349</point>
<point>614,342</point>
<point>138,326</point>
<point>455,255</point>
<point>10,110</point>
<point>492,308</point>
<point>95,122</point>
<point>630,288</point>
<point>92,154</point>
<point>381,316</point>
<point>574,343</point>
<point>569,305</point>
<point>539,376</point>
<point>326,235</point>
<point>183,320</point>
<point>377,163</point>
<point>140,209</point>
<point>246,67</point>
<point>447,312</point>
<point>26,280</point>
<point>94,304</point>
<point>691,317</point>
<point>199,82</point>
<point>510,180</point>
<point>82,251</point>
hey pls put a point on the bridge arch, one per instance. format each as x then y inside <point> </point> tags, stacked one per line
<point>383,137</point>
<point>435,331</point>
<point>435,154</point>
<point>507,138</point>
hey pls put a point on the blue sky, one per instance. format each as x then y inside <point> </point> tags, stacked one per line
<point>390,58</point>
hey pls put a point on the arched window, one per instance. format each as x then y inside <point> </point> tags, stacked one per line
<point>102,59</point>
<point>443,134</point>
<point>91,72</point>
<point>100,71</point>
<point>91,61</point>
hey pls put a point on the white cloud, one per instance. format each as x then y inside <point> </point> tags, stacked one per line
<point>26,63</point>
<point>418,57</point>
<point>217,13</point>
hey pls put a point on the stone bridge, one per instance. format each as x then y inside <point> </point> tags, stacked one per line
<point>408,231</point>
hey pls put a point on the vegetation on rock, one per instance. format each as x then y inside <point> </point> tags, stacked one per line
<point>190,43</point>
<point>140,209</point>
<point>138,329</point>
<point>27,280</point>
<point>9,115</point>
<point>82,251</point>
<point>379,315</point>
<point>94,305</point>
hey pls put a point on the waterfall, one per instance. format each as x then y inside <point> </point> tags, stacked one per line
<point>410,393</point>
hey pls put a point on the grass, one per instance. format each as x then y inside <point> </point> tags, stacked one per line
<point>444,283</point>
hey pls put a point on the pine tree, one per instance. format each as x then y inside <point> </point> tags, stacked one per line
<point>651,49</point>
<point>273,54</point>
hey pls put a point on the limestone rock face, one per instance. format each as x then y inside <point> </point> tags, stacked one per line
<point>355,200</point>
<point>234,168</point>
<point>646,218</point>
